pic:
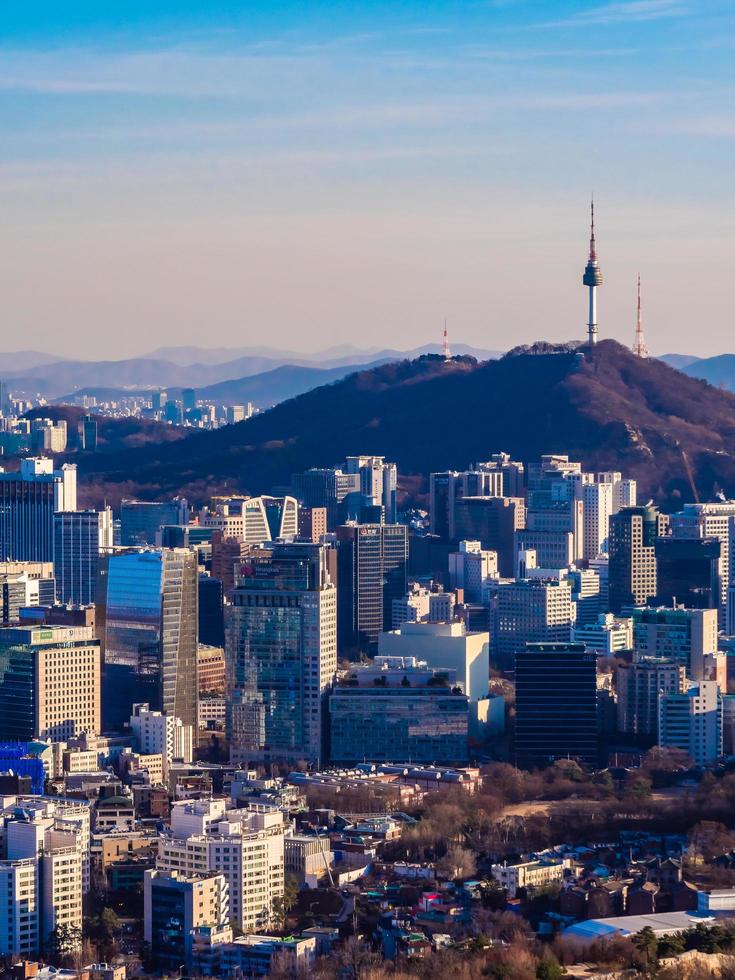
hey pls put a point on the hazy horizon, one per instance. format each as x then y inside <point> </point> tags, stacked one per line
<point>237,174</point>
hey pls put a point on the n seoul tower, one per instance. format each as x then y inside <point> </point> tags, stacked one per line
<point>592,278</point>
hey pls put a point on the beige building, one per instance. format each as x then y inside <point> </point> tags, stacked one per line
<point>210,669</point>
<point>246,845</point>
<point>55,673</point>
<point>529,874</point>
<point>308,858</point>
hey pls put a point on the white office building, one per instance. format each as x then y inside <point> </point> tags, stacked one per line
<point>692,721</point>
<point>245,845</point>
<point>470,568</point>
<point>159,734</point>
<point>446,645</point>
<point>607,636</point>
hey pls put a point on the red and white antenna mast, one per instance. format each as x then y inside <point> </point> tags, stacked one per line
<point>639,347</point>
<point>445,344</point>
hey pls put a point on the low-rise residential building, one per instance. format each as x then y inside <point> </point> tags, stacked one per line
<point>531,875</point>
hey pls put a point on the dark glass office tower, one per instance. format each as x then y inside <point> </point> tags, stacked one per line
<point>688,572</point>
<point>147,620</point>
<point>142,520</point>
<point>372,562</point>
<point>556,704</point>
<point>211,612</point>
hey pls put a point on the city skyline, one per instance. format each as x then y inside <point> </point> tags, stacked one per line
<point>360,174</point>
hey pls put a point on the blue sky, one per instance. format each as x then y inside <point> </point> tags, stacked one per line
<point>315,173</point>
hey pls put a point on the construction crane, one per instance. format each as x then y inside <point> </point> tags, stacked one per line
<point>690,475</point>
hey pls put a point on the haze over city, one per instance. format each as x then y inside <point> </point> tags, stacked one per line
<point>322,174</point>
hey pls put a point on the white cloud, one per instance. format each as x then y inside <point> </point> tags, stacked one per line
<point>625,11</point>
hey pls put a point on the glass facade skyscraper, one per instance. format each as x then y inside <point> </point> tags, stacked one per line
<point>148,619</point>
<point>28,501</point>
<point>281,646</point>
<point>372,563</point>
<point>80,536</point>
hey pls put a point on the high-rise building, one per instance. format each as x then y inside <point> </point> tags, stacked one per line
<point>49,682</point>
<point>281,649</point>
<point>688,572</point>
<point>692,721</point>
<point>164,735</point>
<point>443,491</point>
<point>80,537</point>
<point>470,568</point>
<point>413,607</point>
<point>531,611</point>
<point>493,521</point>
<point>398,710</point>
<point>372,562</point>
<point>175,905</point>
<point>712,520</point>
<point>188,399</point>
<point>147,617</point>
<point>88,434</point>
<point>500,476</point>
<point>607,636</point>
<point>632,565</point>
<point>29,499</point>
<point>211,611</point>
<point>332,488</point>
<point>639,686</point>
<point>556,704</point>
<point>686,636</point>
<point>141,520</point>
<point>244,845</point>
<point>378,483</point>
<point>312,523</point>
<point>253,519</point>
<point>44,867</point>
<point>211,673</point>
<point>24,584</point>
<point>228,551</point>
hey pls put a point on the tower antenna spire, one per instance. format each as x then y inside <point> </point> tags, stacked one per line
<point>593,255</point>
<point>592,278</point>
<point>639,347</point>
<point>445,344</point>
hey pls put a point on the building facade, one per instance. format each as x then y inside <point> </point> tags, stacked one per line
<point>556,704</point>
<point>29,498</point>
<point>49,682</point>
<point>281,651</point>
<point>80,537</point>
<point>372,563</point>
<point>147,617</point>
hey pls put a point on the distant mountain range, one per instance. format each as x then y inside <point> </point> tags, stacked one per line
<point>62,378</point>
<point>605,407</point>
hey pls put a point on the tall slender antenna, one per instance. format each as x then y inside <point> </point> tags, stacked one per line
<point>639,347</point>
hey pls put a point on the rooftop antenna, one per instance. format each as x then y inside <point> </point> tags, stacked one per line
<point>639,347</point>
<point>445,344</point>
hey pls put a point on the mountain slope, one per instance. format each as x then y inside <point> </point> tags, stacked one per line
<point>679,361</point>
<point>719,370</point>
<point>605,407</point>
